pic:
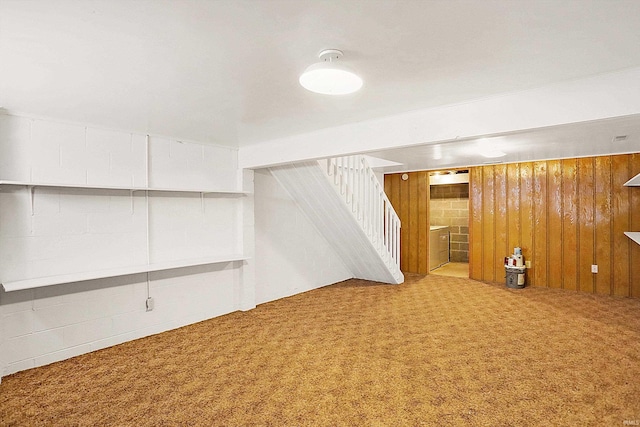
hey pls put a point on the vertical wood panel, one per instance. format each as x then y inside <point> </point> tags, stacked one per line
<point>488,222</point>
<point>586,228</point>
<point>391,187</point>
<point>569,224</point>
<point>526,217</point>
<point>513,206</point>
<point>403,213</point>
<point>423,222</point>
<point>410,200</point>
<point>554,224</point>
<point>634,208</point>
<point>602,216</point>
<point>540,237</point>
<point>620,219</point>
<point>501,225</point>
<point>475,223</point>
<point>412,235</point>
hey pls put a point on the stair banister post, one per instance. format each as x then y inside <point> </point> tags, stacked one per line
<point>398,242</point>
<point>369,210</point>
<point>372,196</point>
<point>393,241</point>
<point>393,237</point>
<point>354,208</point>
<point>386,232</point>
<point>362,191</point>
<point>380,219</point>
<point>339,172</point>
<point>348,179</point>
<point>356,180</point>
<point>352,174</point>
<point>341,160</point>
<point>386,226</point>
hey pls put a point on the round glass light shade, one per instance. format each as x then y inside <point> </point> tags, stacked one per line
<point>330,78</point>
<point>490,148</point>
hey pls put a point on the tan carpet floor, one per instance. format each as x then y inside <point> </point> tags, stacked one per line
<point>434,351</point>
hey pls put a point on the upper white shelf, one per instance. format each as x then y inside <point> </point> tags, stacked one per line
<point>633,235</point>
<point>633,182</point>
<point>39,282</point>
<point>111,187</point>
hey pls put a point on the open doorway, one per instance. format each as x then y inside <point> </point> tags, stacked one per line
<point>426,202</point>
<point>449,223</point>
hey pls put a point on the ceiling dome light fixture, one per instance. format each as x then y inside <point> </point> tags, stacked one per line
<point>490,148</point>
<point>329,77</point>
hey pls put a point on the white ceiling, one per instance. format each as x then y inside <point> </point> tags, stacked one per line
<point>611,136</point>
<point>226,71</point>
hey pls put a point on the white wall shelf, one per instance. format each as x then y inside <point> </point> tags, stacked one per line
<point>108,187</point>
<point>40,282</point>
<point>633,235</point>
<point>633,182</point>
<point>96,164</point>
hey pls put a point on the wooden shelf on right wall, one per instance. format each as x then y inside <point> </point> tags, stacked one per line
<point>633,182</point>
<point>633,235</point>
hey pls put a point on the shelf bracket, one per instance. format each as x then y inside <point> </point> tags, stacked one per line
<point>202,201</point>
<point>131,198</point>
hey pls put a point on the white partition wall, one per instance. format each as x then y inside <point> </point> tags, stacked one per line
<point>292,256</point>
<point>140,216</point>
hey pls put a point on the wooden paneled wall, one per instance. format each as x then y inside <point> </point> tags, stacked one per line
<point>410,199</point>
<point>565,215</point>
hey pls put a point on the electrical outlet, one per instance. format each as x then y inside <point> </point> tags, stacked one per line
<point>150,304</point>
<point>594,268</point>
<point>527,264</point>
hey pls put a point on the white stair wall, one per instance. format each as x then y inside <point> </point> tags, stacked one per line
<point>319,197</point>
<point>292,256</point>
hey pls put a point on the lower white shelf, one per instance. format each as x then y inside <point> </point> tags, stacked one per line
<point>40,282</point>
<point>114,187</point>
<point>633,235</point>
<point>633,182</point>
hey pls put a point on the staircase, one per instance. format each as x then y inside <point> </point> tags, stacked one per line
<point>347,204</point>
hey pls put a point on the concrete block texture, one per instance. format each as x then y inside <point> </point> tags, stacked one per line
<point>449,205</point>
<point>55,230</point>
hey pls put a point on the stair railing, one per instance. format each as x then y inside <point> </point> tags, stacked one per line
<point>360,188</point>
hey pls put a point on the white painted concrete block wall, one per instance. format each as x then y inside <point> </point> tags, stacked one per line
<point>291,255</point>
<point>180,165</point>
<point>70,230</point>
<point>188,225</point>
<point>247,290</point>
<point>74,230</point>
